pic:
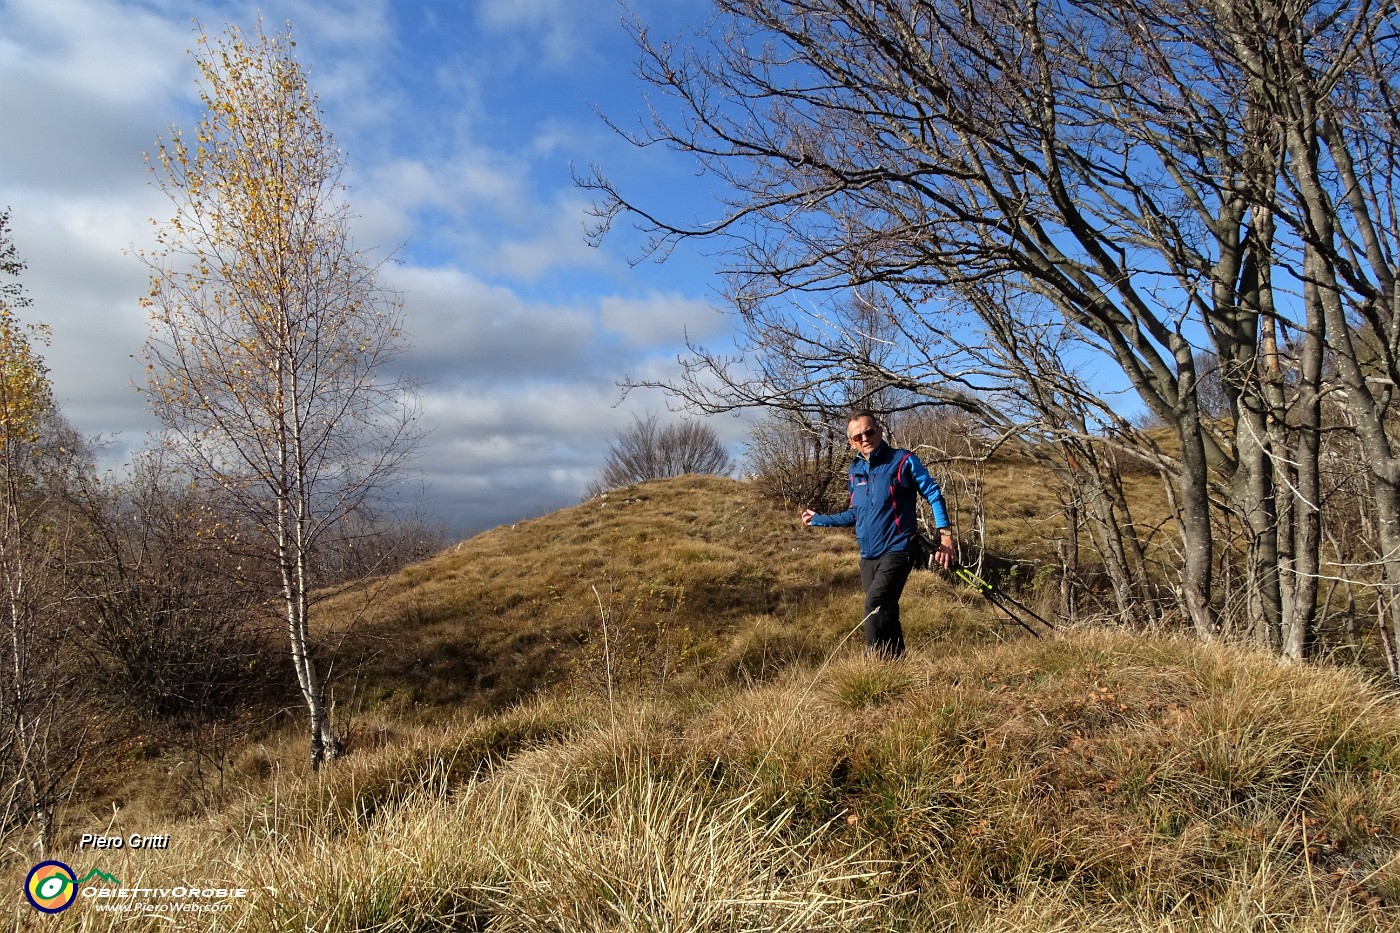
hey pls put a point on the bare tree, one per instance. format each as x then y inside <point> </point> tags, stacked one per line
<point>1215,400</point>
<point>380,542</point>
<point>42,737</point>
<point>269,335</point>
<point>645,451</point>
<point>797,459</point>
<point>1118,182</point>
<point>169,595</point>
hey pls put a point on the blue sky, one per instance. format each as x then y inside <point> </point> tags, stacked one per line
<point>460,121</point>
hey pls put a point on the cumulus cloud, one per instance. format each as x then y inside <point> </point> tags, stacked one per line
<point>516,455</point>
<point>462,329</point>
<point>106,51</point>
<point>556,241</point>
<point>77,87</point>
<point>458,124</point>
<point>661,318</point>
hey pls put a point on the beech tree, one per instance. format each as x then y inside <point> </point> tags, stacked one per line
<point>1111,183</point>
<point>269,334</point>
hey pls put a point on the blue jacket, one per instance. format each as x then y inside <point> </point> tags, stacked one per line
<point>884,491</point>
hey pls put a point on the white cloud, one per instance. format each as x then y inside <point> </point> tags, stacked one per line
<point>551,25</point>
<point>348,26</point>
<point>86,290</point>
<point>462,330</point>
<point>557,241</point>
<point>661,319</point>
<point>458,123</point>
<point>506,456</point>
<point>84,90</point>
<point>96,49</point>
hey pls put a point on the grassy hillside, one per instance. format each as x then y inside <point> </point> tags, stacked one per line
<point>650,712</point>
<point>692,579</point>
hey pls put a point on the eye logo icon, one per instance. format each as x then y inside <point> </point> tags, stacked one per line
<point>51,887</point>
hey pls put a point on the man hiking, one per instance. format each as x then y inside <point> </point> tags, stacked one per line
<point>885,486</point>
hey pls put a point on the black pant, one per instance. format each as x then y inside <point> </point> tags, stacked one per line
<point>883,578</point>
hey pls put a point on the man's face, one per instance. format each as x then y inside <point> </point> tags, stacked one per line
<point>864,435</point>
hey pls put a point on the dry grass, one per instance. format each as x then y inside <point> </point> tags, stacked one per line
<point>684,569</point>
<point>1096,782</point>
<point>737,764</point>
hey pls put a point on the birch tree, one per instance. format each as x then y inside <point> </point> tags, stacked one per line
<point>269,334</point>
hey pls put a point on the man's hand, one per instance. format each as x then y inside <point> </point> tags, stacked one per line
<point>945,556</point>
<point>807,516</point>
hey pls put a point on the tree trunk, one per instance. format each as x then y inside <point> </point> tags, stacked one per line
<point>1253,500</point>
<point>1304,564</point>
<point>1069,560</point>
<point>325,746</point>
<point>1366,412</point>
<point>1193,506</point>
<point>1102,494</point>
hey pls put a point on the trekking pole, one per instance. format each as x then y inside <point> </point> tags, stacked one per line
<point>999,598</point>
